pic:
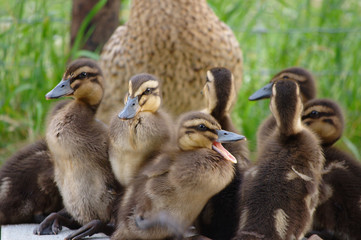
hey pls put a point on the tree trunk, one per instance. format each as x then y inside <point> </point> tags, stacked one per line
<point>105,22</point>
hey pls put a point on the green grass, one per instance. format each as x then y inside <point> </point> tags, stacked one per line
<point>323,36</point>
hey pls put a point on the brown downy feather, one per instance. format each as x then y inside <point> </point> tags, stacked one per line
<point>339,211</point>
<point>28,192</point>
<point>219,218</point>
<point>307,86</point>
<point>135,140</point>
<point>79,145</point>
<point>280,193</point>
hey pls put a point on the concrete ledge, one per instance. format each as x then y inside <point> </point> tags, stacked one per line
<point>25,232</point>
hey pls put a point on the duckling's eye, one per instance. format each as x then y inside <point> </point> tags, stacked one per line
<point>207,79</point>
<point>147,91</point>
<point>285,77</point>
<point>202,127</point>
<point>314,114</point>
<point>83,75</point>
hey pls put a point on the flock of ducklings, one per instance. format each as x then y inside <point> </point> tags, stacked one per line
<point>146,177</point>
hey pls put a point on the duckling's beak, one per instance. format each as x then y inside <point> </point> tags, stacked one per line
<point>225,137</point>
<point>62,89</point>
<point>264,92</point>
<point>130,109</point>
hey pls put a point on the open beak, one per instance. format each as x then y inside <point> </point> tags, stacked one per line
<point>130,109</point>
<point>226,137</point>
<point>264,92</point>
<point>62,89</point>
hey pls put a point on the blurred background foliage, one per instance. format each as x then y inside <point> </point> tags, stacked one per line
<point>323,36</point>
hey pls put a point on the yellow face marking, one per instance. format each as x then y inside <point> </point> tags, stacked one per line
<point>150,103</point>
<point>191,138</point>
<point>193,141</point>
<point>327,131</point>
<point>88,91</point>
<point>281,222</point>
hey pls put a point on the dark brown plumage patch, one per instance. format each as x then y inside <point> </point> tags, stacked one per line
<point>32,193</point>
<point>283,191</point>
<point>223,85</point>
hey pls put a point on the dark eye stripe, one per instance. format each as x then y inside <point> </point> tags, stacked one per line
<point>89,75</point>
<point>208,130</point>
<point>320,114</point>
<point>150,92</point>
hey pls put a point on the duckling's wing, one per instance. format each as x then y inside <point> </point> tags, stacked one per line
<point>158,166</point>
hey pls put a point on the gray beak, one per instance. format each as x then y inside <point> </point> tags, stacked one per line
<point>130,109</point>
<point>225,136</point>
<point>62,89</point>
<point>264,92</point>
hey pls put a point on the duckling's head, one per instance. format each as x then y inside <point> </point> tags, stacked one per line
<point>286,106</point>
<point>83,80</point>
<point>143,96</point>
<point>201,130</point>
<point>301,76</point>
<point>325,118</point>
<point>219,91</point>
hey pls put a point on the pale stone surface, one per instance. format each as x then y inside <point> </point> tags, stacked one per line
<point>25,231</point>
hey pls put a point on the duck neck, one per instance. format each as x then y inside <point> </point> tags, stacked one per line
<point>218,112</point>
<point>84,103</point>
<point>288,126</point>
<point>288,118</point>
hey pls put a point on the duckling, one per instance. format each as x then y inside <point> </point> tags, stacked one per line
<point>79,147</point>
<point>28,192</point>
<point>138,132</point>
<point>339,211</point>
<point>170,192</point>
<point>219,219</point>
<point>307,88</point>
<point>177,41</point>
<point>280,193</point>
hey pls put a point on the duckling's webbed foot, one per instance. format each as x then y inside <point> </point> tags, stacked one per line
<point>93,227</point>
<point>53,223</point>
<point>49,226</point>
